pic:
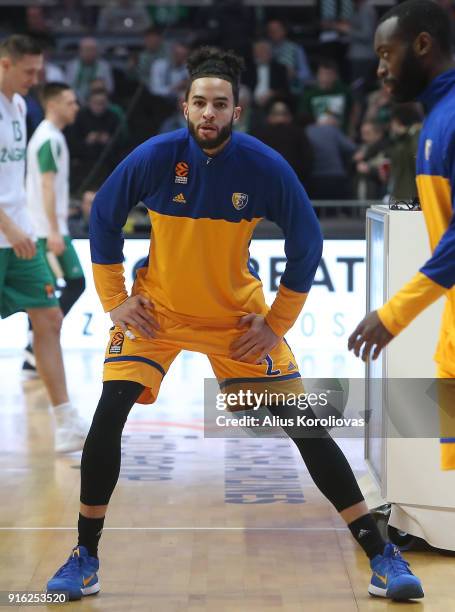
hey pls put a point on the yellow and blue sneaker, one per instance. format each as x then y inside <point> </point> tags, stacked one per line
<point>392,577</point>
<point>77,576</point>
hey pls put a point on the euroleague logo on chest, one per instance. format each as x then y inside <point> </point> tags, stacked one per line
<point>182,171</point>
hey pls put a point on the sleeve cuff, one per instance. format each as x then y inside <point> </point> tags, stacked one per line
<point>110,284</point>
<point>285,310</point>
<point>405,305</point>
<point>113,302</point>
<point>387,319</point>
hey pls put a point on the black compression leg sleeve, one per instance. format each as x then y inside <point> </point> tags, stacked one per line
<point>100,463</point>
<point>325,461</point>
<point>71,292</point>
<point>330,471</point>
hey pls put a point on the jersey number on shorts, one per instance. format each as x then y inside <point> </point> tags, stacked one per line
<point>270,370</point>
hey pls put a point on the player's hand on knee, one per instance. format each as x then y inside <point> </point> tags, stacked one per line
<point>22,245</point>
<point>136,312</point>
<point>369,333</point>
<point>256,343</point>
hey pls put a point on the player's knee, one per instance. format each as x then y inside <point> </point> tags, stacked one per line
<point>55,321</point>
<point>47,321</point>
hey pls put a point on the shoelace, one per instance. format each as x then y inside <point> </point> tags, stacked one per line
<point>70,566</point>
<point>399,565</point>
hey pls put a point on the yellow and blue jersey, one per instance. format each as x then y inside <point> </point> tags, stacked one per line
<point>435,177</point>
<point>436,188</point>
<point>203,212</point>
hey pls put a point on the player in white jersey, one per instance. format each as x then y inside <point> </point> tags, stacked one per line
<point>47,187</point>
<point>25,281</point>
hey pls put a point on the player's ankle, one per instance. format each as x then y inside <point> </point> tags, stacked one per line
<point>90,530</point>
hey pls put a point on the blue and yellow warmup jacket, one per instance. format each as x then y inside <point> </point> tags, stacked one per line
<point>436,188</point>
<point>203,212</point>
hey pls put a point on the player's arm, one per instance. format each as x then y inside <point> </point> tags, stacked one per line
<point>47,166</point>
<point>437,275</point>
<point>124,188</point>
<point>55,242</point>
<point>22,245</point>
<point>292,211</point>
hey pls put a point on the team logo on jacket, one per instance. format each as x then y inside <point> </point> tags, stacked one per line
<point>182,171</point>
<point>428,145</point>
<point>116,344</point>
<point>240,200</point>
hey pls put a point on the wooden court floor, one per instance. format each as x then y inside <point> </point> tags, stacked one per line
<point>195,524</point>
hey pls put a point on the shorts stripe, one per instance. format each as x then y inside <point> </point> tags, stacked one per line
<point>149,362</point>
<point>229,381</point>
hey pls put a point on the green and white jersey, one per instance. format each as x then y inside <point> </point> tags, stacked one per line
<point>13,142</point>
<point>47,152</point>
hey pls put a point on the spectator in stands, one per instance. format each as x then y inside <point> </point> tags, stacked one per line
<point>177,120</point>
<point>88,66</point>
<point>290,54</point>
<point>405,126</point>
<point>167,14</point>
<point>90,139</point>
<point>247,116</point>
<point>329,94</point>
<point>123,17</point>
<point>154,48</point>
<point>265,77</point>
<point>379,106</point>
<point>360,29</point>
<point>68,17</point>
<point>282,134</point>
<point>52,73</point>
<point>169,75</point>
<point>36,24</point>
<point>100,85</point>
<point>333,152</point>
<point>369,161</point>
<point>335,17</point>
<point>80,216</point>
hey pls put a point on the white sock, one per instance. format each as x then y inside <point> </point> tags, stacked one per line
<point>65,414</point>
<point>64,406</point>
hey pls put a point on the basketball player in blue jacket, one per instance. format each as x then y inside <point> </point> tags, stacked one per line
<point>206,188</point>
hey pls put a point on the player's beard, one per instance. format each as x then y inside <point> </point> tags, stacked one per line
<point>412,80</point>
<point>207,144</point>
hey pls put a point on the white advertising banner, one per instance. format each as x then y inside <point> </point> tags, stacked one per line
<point>334,307</point>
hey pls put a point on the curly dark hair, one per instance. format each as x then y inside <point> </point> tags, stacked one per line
<point>214,62</point>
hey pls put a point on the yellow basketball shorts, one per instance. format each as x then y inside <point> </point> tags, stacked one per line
<point>147,360</point>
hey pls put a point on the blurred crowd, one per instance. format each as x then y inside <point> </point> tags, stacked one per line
<point>309,89</point>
